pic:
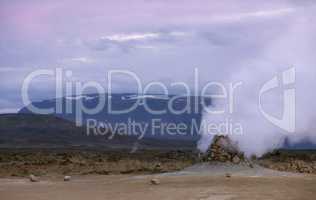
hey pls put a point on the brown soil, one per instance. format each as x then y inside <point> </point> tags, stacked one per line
<point>170,187</point>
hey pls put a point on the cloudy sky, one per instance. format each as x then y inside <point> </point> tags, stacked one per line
<point>161,40</point>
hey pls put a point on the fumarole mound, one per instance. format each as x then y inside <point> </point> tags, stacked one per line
<point>223,149</point>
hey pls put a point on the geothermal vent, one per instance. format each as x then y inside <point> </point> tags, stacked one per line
<point>223,149</point>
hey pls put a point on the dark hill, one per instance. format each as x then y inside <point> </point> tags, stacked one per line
<point>29,130</point>
<point>49,131</point>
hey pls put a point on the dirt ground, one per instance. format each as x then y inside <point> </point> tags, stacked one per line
<point>98,175</point>
<point>173,187</point>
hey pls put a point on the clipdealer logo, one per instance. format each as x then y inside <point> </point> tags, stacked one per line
<point>286,81</point>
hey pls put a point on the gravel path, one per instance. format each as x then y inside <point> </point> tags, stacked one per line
<point>220,169</point>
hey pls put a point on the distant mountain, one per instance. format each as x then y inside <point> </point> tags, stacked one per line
<point>190,105</point>
<point>48,131</point>
<point>304,144</point>
<point>185,110</point>
<point>29,130</point>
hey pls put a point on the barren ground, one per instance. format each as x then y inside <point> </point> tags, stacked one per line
<point>194,183</point>
<point>171,187</point>
<point>120,175</point>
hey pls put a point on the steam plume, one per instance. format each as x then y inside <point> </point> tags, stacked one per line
<point>295,48</point>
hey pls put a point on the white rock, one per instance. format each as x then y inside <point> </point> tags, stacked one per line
<point>67,178</point>
<point>155,181</point>
<point>33,178</point>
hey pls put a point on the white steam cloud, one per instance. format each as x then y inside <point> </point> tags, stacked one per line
<point>293,49</point>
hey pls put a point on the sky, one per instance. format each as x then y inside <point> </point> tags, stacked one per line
<point>158,40</point>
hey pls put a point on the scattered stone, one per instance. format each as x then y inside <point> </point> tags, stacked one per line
<point>228,175</point>
<point>158,165</point>
<point>155,181</point>
<point>33,178</point>
<point>67,178</point>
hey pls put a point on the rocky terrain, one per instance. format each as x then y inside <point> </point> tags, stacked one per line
<point>299,161</point>
<point>222,173</point>
<point>80,161</point>
<point>51,162</point>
